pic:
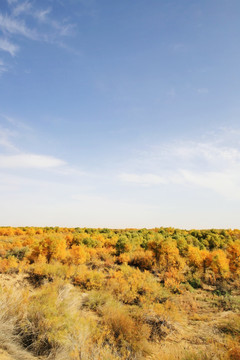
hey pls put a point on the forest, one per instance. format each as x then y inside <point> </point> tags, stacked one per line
<point>83,293</point>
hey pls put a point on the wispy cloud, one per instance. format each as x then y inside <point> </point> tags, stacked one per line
<point>10,130</point>
<point>212,164</point>
<point>143,179</point>
<point>13,157</point>
<point>62,28</point>
<point>23,7</point>
<point>3,67</point>
<point>5,142</point>
<point>205,153</point>
<point>16,122</point>
<point>12,1</point>
<point>8,46</point>
<point>41,15</point>
<point>29,161</point>
<point>11,25</point>
<point>26,19</point>
<point>225,182</point>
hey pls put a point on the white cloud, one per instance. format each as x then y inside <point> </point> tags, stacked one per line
<point>12,1</point>
<point>13,26</point>
<point>212,164</point>
<point>9,47</point>
<point>3,67</point>
<point>102,211</point>
<point>24,7</point>
<point>13,128</point>
<point>64,196</point>
<point>142,179</point>
<point>208,152</point>
<point>5,142</point>
<point>24,18</point>
<point>16,122</point>
<point>225,183</point>
<point>15,158</point>
<point>30,161</point>
<point>41,15</point>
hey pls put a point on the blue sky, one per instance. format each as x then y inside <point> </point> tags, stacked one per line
<point>120,113</point>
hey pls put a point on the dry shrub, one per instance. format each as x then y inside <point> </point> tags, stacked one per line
<point>231,325</point>
<point>132,286</point>
<point>53,270</point>
<point>123,258</point>
<point>46,324</point>
<point>100,257</point>
<point>54,326</point>
<point>234,353</point>
<point>142,259</point>
<point>188,303</point>
<point>126,334</point>
<point>9,265</point>
<point>169,310</point>
<point>193,355</point>
<point>160,327</point>
<point>96,299</point>
<point>89,279</point>
<point>77,255</point>
<point>12,310</point>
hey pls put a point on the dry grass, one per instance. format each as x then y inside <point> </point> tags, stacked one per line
<point>11,305</point>
<point>57,321</point>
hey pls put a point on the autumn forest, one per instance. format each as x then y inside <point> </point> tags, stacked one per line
<point>82,293</point>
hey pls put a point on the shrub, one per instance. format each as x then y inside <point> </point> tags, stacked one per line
<point>128,335</point>
<point>142,259</point>
<point>123,258</point>
<point>122,245</point>
<point>231,325</point>
<point>18,253</point>
<point>89,279</point>
<point>234,353</point>
<point>13,307</point>
<point>49,320</point>
<point>132,286</point>
<point>52,271</point>
<point>96,299</point>
<point>90,242</point>
<point>195,282</point>
<point>77,255</point>
<point>9,265</point>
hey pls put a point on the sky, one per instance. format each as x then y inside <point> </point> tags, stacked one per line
<point>120,114</point>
